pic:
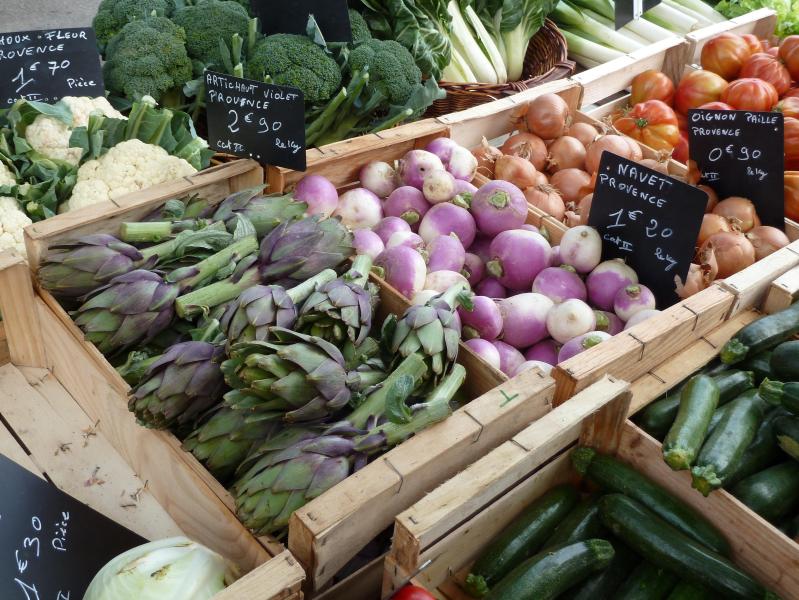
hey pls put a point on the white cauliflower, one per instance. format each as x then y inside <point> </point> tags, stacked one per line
<point>12,223</point>
<point>50,137</point>
<point>127,167</point>
<point>6,176</point>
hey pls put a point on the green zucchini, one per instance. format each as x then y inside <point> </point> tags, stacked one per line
<point>553,571</point>
<point>719,414</point>
<point>772,493</point>
<point>647,582</point>
<point>521,539</point>
<point>762,452</point>
<point>787,432</point>
<point>698,400</point>
<point>689,591</point>
<point>603,584</point>
<point>661,544</point>
<point>582,523</point>
<point>724,448</point>
<point>760,365</point>
<point>715,368</point>
<point>761,335</point>
<point>614,476</point>
<point>777,392</point>
<point>785,361</point>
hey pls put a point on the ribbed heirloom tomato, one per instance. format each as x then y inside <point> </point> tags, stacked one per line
<point>755,45</point>
<point>716,106</point>
<point>792,195</point>
<point>698,88</point>
<point>792,93</point>
<point>750,94</point>
<point>680,153</point>
<point>768,68</point>
<point>725,54</point>
<point>789,107</point>
<point>791,144</point>
<point>789,53</point>
<point>412,592</point>
<point>652,122</point>
<point>652,85</point>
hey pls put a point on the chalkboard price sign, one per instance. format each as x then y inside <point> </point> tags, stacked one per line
<point>648,219</point>
<point>49,64</point>
<point>291,16</point>
<point>741,153</point>
<point>51,545</point>
<point>256,120</point>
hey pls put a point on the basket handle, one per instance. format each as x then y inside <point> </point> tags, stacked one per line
<point>20,313</point>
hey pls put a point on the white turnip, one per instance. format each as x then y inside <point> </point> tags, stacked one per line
<point>570,319</point>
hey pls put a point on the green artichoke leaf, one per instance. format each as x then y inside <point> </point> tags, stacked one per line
<point>397,411</point>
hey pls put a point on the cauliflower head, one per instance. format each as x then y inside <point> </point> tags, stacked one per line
<point>6,176</point>
<point>50,137</point>
<point>12,223</point>
<point>127,167</point>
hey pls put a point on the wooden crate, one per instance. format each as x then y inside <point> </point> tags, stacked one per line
<point>439,537</point>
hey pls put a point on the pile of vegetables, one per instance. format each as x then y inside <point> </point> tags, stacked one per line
<point>626,537</point>
<point>787,12</point>
<point>81,151</point>
<point>243,329</point>
<point>736,424</point>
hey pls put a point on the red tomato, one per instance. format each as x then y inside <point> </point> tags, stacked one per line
<point>755,45</point>
<point>792,93</point>
<point>789,106</point>
<point>412,592</point>
<point>750,94</point>
<point>789,53</point>
<point>791,144</point>
<point>653,123</point>
<point>716,106</point>
<point>682,121</point>
<point>773,51</point>
<point>652,85</point>
<point>698,88</point>
<point>725,54</point>
<point>680,153</point>
<point>768,68</point>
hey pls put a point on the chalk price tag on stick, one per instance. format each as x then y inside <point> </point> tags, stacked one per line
<point>256,120</point>
<point>291,16</point>
<point>650,220</point>
<point>46,65</point>
<point>741,153</point>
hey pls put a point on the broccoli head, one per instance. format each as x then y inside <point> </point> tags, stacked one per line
<point>113,15</point>
<point>208,22</point>
<point>360,30</point>
<point>147,57</point>
<point>392,70</point>
<point>296,61</point>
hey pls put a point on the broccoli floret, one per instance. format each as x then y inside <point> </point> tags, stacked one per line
<point>297,61</point>
<point>208,22</point>
<point>113,15</point>
<point>392,70</point>
<point>360,30</point>
<point>147,57</point>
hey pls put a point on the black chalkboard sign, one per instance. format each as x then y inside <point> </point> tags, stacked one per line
<point>741,153</point>
<point>48,64</point>
<point>256,120</point>
<point>627,10</point>
<point>51,545</point>
<point>648,219</point>
<point>291,16</point>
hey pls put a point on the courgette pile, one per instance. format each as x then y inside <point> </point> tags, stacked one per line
<point>736,423</point>
<point>633,540</point>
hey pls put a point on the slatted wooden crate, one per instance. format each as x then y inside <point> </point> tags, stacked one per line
<point>440,536</point>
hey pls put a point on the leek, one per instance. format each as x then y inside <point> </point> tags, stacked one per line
<point>700,20</point>
<point>588,63</point>
<point>671,19</point>
<point>487,44</point>
<point>648,30</point>
<point>464,42</point>
<point>605,8</point>
<point>611,25</point>
<point>586,48</point>
<point>567,15</point>
<point>703,9</point>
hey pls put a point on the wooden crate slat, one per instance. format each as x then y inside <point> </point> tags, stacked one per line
<point>783,292</point>
<point>281,575</point>
<point>10,448</point>
<point>4,355</point>
<point>751,285</point>
<point>25,340</point>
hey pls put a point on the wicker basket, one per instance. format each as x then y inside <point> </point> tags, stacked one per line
<point>546,60</point>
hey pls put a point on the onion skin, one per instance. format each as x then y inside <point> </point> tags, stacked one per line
<point>581,343</point>
<point>527,146</point>
<point>694,282</point>
<point>516,170</point>
<point>525,319</point>
<point>738,208</point>
<point>547,198</point>
<point>712,197</point>
<point>570,183</point>
<point>485,350</point>
<point>584,132</point>
<point>566,153</point>
<point>712,224</point>
<point>517,257</point>
<point>632,299</point>
<point>604,282</point>
<point>485,321</point>
<point>584,209</point>
<point>509,357</point>
<point>766,240</point>
<point>492,288</point>
<point>486,156</point>
<point>548,116</point>
<point>612,143</point>
<point>545,351</point>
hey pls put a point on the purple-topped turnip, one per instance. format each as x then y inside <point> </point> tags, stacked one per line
<point>462,164</point>
<point>544,351</point>
<point>555,260</point>
<point>492,288</point>
<point>509,357</point>
<point>531,227</point>
<point>415,165</point>
<point>379,178</point>
<point>632,299</point>
<point>607,279</point>
<point>499,206</point>
<point>560,284</point>
<point>443,280</point>
<point>442,147</point>
<point>485,350</point>
<point>545,368</point>
<point>445,253</point>
<point>402,268</point>
<point>517,257</point>
<point>359,209</point>
<point>570,319</point>
<point>463,194</point>
<point>366,241</point>
<point>438,186</point>
<point>423,297</point>
<point>406,238</point>
<point>581,343</point>
<point>446,218</point>
<point>524,318</point>
<point>407,203</point>
<point>581,247</point>
<point>484,321</point>
<point>474,268</point>
<point>318,193</point>
<point>481,246</point>
<point>388,226</point>
<point>608,322</point>
<point>641,316</point>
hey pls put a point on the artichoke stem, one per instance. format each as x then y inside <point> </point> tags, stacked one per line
<point>359,272</point>
<point>145,232</point>
<point>191,304</point>
<point>206,269</point>
<point>301,292</point>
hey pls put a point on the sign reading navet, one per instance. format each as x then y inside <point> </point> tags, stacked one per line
<point>741,153</point>
<point>650,220</point>
<point>291,16</point>
<point>52,546</point>
<point>256,120</point>
<point>49,64</point>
